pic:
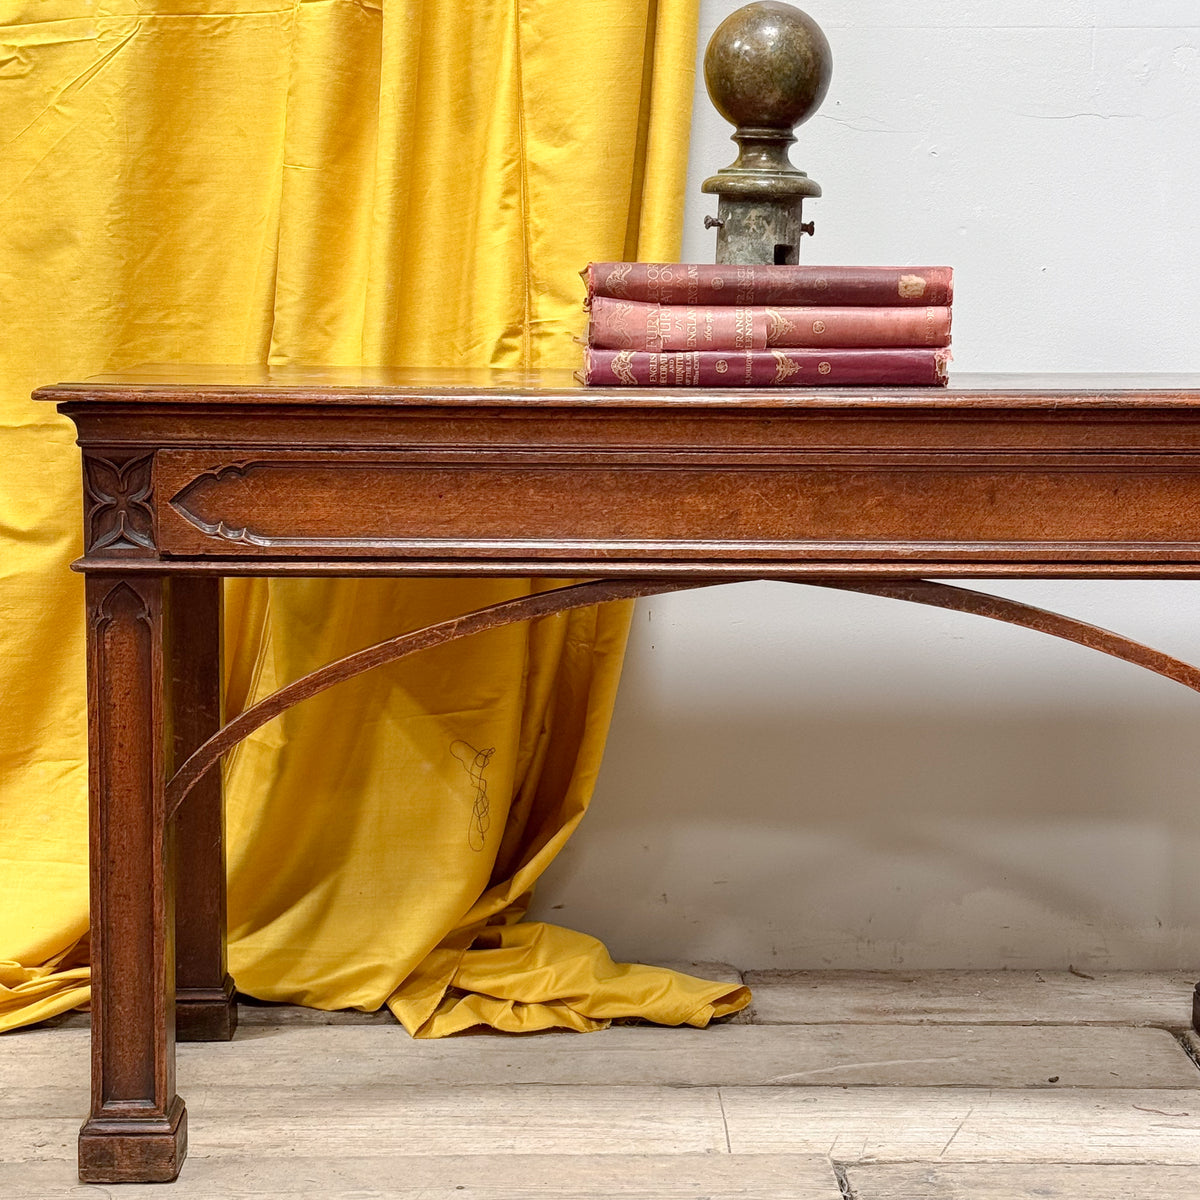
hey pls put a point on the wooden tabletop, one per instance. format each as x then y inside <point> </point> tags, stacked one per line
<point>467,387</point>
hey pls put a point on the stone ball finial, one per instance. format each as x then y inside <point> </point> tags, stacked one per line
<point>768,65</point>
<point>767,68</point>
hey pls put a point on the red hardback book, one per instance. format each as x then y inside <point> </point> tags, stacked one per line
<point>706,283</point>
<point>636,325</point>
<point>765,368</point>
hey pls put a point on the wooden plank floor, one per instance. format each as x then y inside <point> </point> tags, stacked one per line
<point>865,1085</point>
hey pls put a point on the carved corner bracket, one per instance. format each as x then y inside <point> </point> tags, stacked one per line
<point>119,507</point>
<point>202,490</point>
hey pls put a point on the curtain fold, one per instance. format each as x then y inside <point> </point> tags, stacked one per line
<point>329,182</point>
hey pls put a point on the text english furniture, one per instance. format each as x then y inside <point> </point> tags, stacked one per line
<point>191,475</point>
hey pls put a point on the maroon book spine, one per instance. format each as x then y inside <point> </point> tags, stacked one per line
<point>765,368</point>
<point>636,325</point>
<point>706,283</point>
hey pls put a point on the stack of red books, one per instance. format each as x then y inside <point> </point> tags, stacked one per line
<point>699,325</point>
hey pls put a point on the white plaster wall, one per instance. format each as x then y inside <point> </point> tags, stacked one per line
<point>805,778</point>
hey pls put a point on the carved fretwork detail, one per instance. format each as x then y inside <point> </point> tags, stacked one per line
<point>120,516</point>
<point>123,602</point>
<point>199,489</point>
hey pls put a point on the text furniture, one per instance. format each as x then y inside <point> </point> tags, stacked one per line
<point>191,475</point>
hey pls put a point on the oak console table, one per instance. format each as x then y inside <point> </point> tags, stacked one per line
<point>194,474</point>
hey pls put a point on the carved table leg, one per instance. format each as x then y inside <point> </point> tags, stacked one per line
<point>137,1130</point>
<point>205,1010</point>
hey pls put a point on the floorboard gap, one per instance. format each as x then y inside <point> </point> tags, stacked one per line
<point>1187,1038</point>
<point>724,1122</point>
<point>843,1182</point>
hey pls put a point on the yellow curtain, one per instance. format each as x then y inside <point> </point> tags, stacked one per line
<point>347,182</point>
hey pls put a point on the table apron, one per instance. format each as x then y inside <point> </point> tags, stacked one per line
<point>938,507</point>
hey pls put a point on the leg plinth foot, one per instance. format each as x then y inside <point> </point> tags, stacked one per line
<point>123,1148</point>
<point>206,1014</point>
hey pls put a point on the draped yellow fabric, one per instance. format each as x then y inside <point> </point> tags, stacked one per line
<point>337,181</point>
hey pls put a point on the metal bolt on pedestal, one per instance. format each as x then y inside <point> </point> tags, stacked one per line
<point>767,69</point>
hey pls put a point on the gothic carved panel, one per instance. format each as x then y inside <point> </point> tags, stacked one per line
<point>119,515</point>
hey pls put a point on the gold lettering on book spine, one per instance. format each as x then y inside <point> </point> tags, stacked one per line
<point>658,327</point>
<point>743,329</point>
<point>659,280</point>
<point>778,328</point>
<point>622,367</point>
<point>785,367</point>
<point>932,336</point>
<point>745,286</point>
